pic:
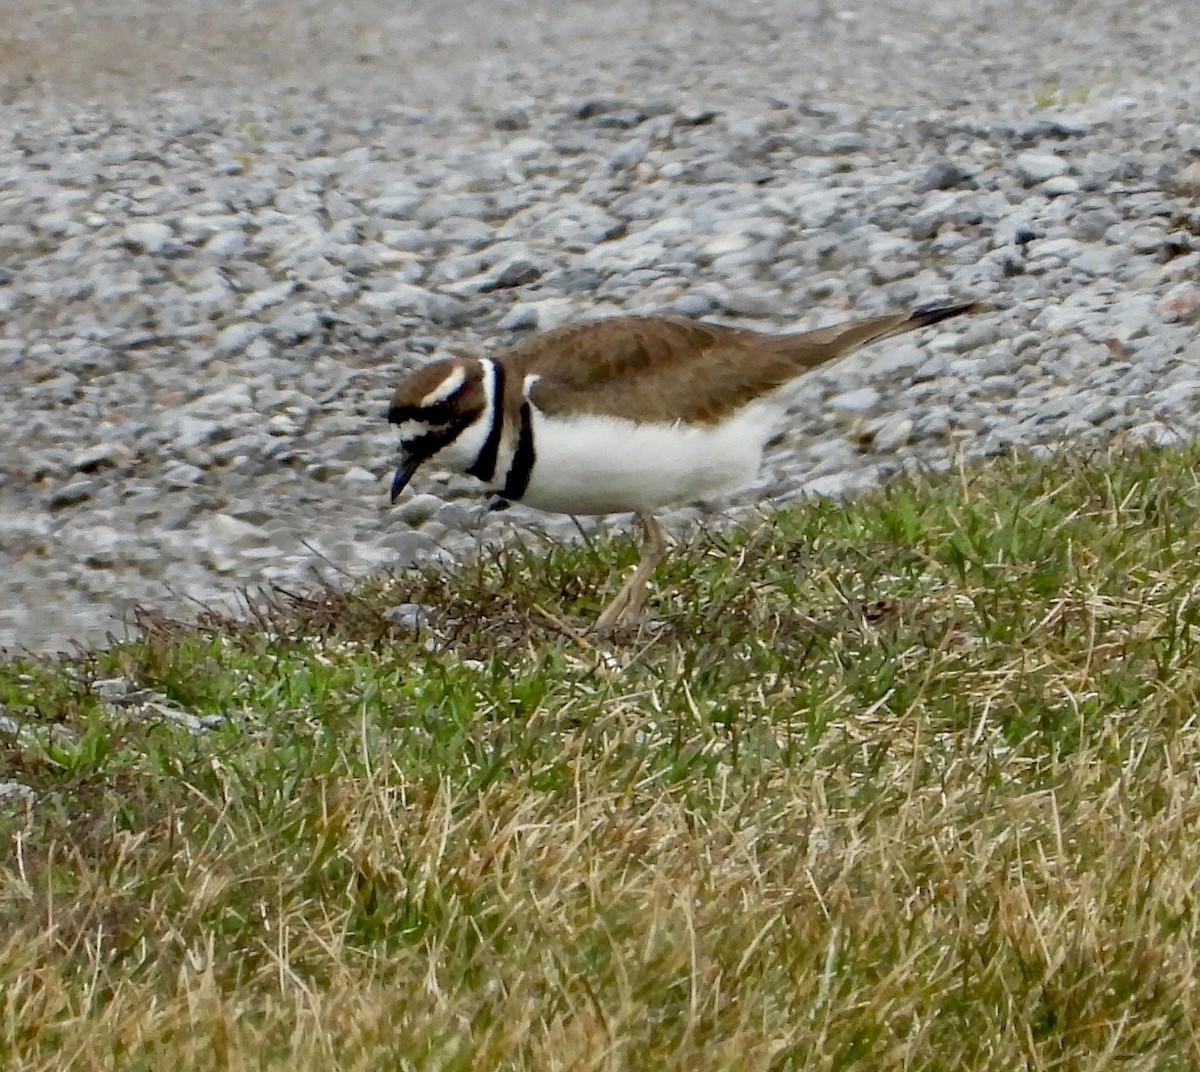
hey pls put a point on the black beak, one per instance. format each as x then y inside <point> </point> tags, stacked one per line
<point>410,464</point>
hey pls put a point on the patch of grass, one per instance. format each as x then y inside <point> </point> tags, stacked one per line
<point>902,783</point>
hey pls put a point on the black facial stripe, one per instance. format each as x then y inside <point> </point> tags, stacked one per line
<point>484,467</point>
<point>400,414</point>
<point>517,481</point>
<point>431,442</point>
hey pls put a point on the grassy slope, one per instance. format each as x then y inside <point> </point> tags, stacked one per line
<point>904,783</point>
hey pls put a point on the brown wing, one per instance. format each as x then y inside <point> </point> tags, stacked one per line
<point>636,367</point>
<point>655,368</point>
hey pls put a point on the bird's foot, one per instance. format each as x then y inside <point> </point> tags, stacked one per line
<point>625,610</point>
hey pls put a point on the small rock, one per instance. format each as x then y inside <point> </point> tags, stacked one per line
<point>628,156</point>
<point>191,432</point>
<point>513,273</point>
<point>183,476</point>
<point>836,485</point>
<point>892,434</point>
<point>1187,182</point>
<point>942,209</point>
<point>844,142</point>
<point>419,509</point>
<point>281,424</point>
<point>458,515</point>
<point>103,542</point>
<point>407,298</point>
<point>1034,167</point>
<point>408,546</point>
<point>1059,186</point>
<point>1146,238</point>
<point>1101,262</point>
<point>542,315</point>
<point>742,301</point>
<point>147,236</point>
<point>356,474</point>
<point>1158,434</point>
<point>861,400</point>
<point>233,532</point>
<point>934,424</point>
<point>697,117</point>
<point>594,106</point>
<point>409,616</point>
<point>396,206</point>
<point>899,359</point>
<point>227,243</point>
<point>100,456</point>
<point>296,324</point>
<point>116,689</point>
<point>692,305</point>
<point>153,710</point>
<point>726,243</point>
<point>75,492</point>
<point>1063,249</point>
<point>943,174</point>
<point>268,296</point>
<point>16,794</point>
<point>56,224</point>
<point>236,337</point>
<point>1181,303</point>
<point>514,118</point>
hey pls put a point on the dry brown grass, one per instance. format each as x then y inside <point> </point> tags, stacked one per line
<point>788,836</point>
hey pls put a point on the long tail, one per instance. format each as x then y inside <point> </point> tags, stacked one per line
<point>812,348</point>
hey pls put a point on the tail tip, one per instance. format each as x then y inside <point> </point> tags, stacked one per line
<point>924,315</point>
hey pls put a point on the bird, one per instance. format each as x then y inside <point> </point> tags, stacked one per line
<point>625,414</point>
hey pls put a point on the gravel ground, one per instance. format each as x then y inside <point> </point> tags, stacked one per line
<point>224,227</point>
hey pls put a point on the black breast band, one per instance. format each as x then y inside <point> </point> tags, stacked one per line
<point>484,467</point>
<point>521,469</point>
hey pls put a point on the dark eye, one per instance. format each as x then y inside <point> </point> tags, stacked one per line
<point>438,413</point>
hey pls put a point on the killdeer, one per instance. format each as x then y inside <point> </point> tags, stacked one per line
<point>628,414</point>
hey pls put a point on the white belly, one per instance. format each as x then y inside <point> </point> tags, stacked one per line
<point>605,465</point>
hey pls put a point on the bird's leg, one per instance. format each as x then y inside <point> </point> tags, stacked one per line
<point>626,606</point>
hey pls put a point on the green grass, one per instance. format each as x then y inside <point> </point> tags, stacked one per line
<point>904,783</point>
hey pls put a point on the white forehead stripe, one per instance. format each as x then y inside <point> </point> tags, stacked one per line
<point>445,389</point>
<point>489,383</point>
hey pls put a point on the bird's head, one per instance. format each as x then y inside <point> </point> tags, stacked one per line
<point>434,409</point>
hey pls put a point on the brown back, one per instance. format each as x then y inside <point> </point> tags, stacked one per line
<point>659,368</point>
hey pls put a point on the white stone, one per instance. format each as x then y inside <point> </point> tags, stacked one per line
<point>148,236</point>
<point>1034,167</point>
<point>860,400</point>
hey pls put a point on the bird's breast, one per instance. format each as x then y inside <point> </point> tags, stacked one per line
<point>593,464</point>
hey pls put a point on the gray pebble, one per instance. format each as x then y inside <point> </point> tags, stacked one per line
<point>100,456</point>
<point>1037,167</point>
<point>1059,186</point>
<point>71,494</point>
<point>182,476</point>
<point>862,400</point>
<point>411,617</point>
<point>16,794</point>
<point>148,236</point>
<point>418,509</point>
<point>515,272</point>
<point>892,434</point>
<point>943,174</point>
<point>407,546</point>
<point>513,118</point>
